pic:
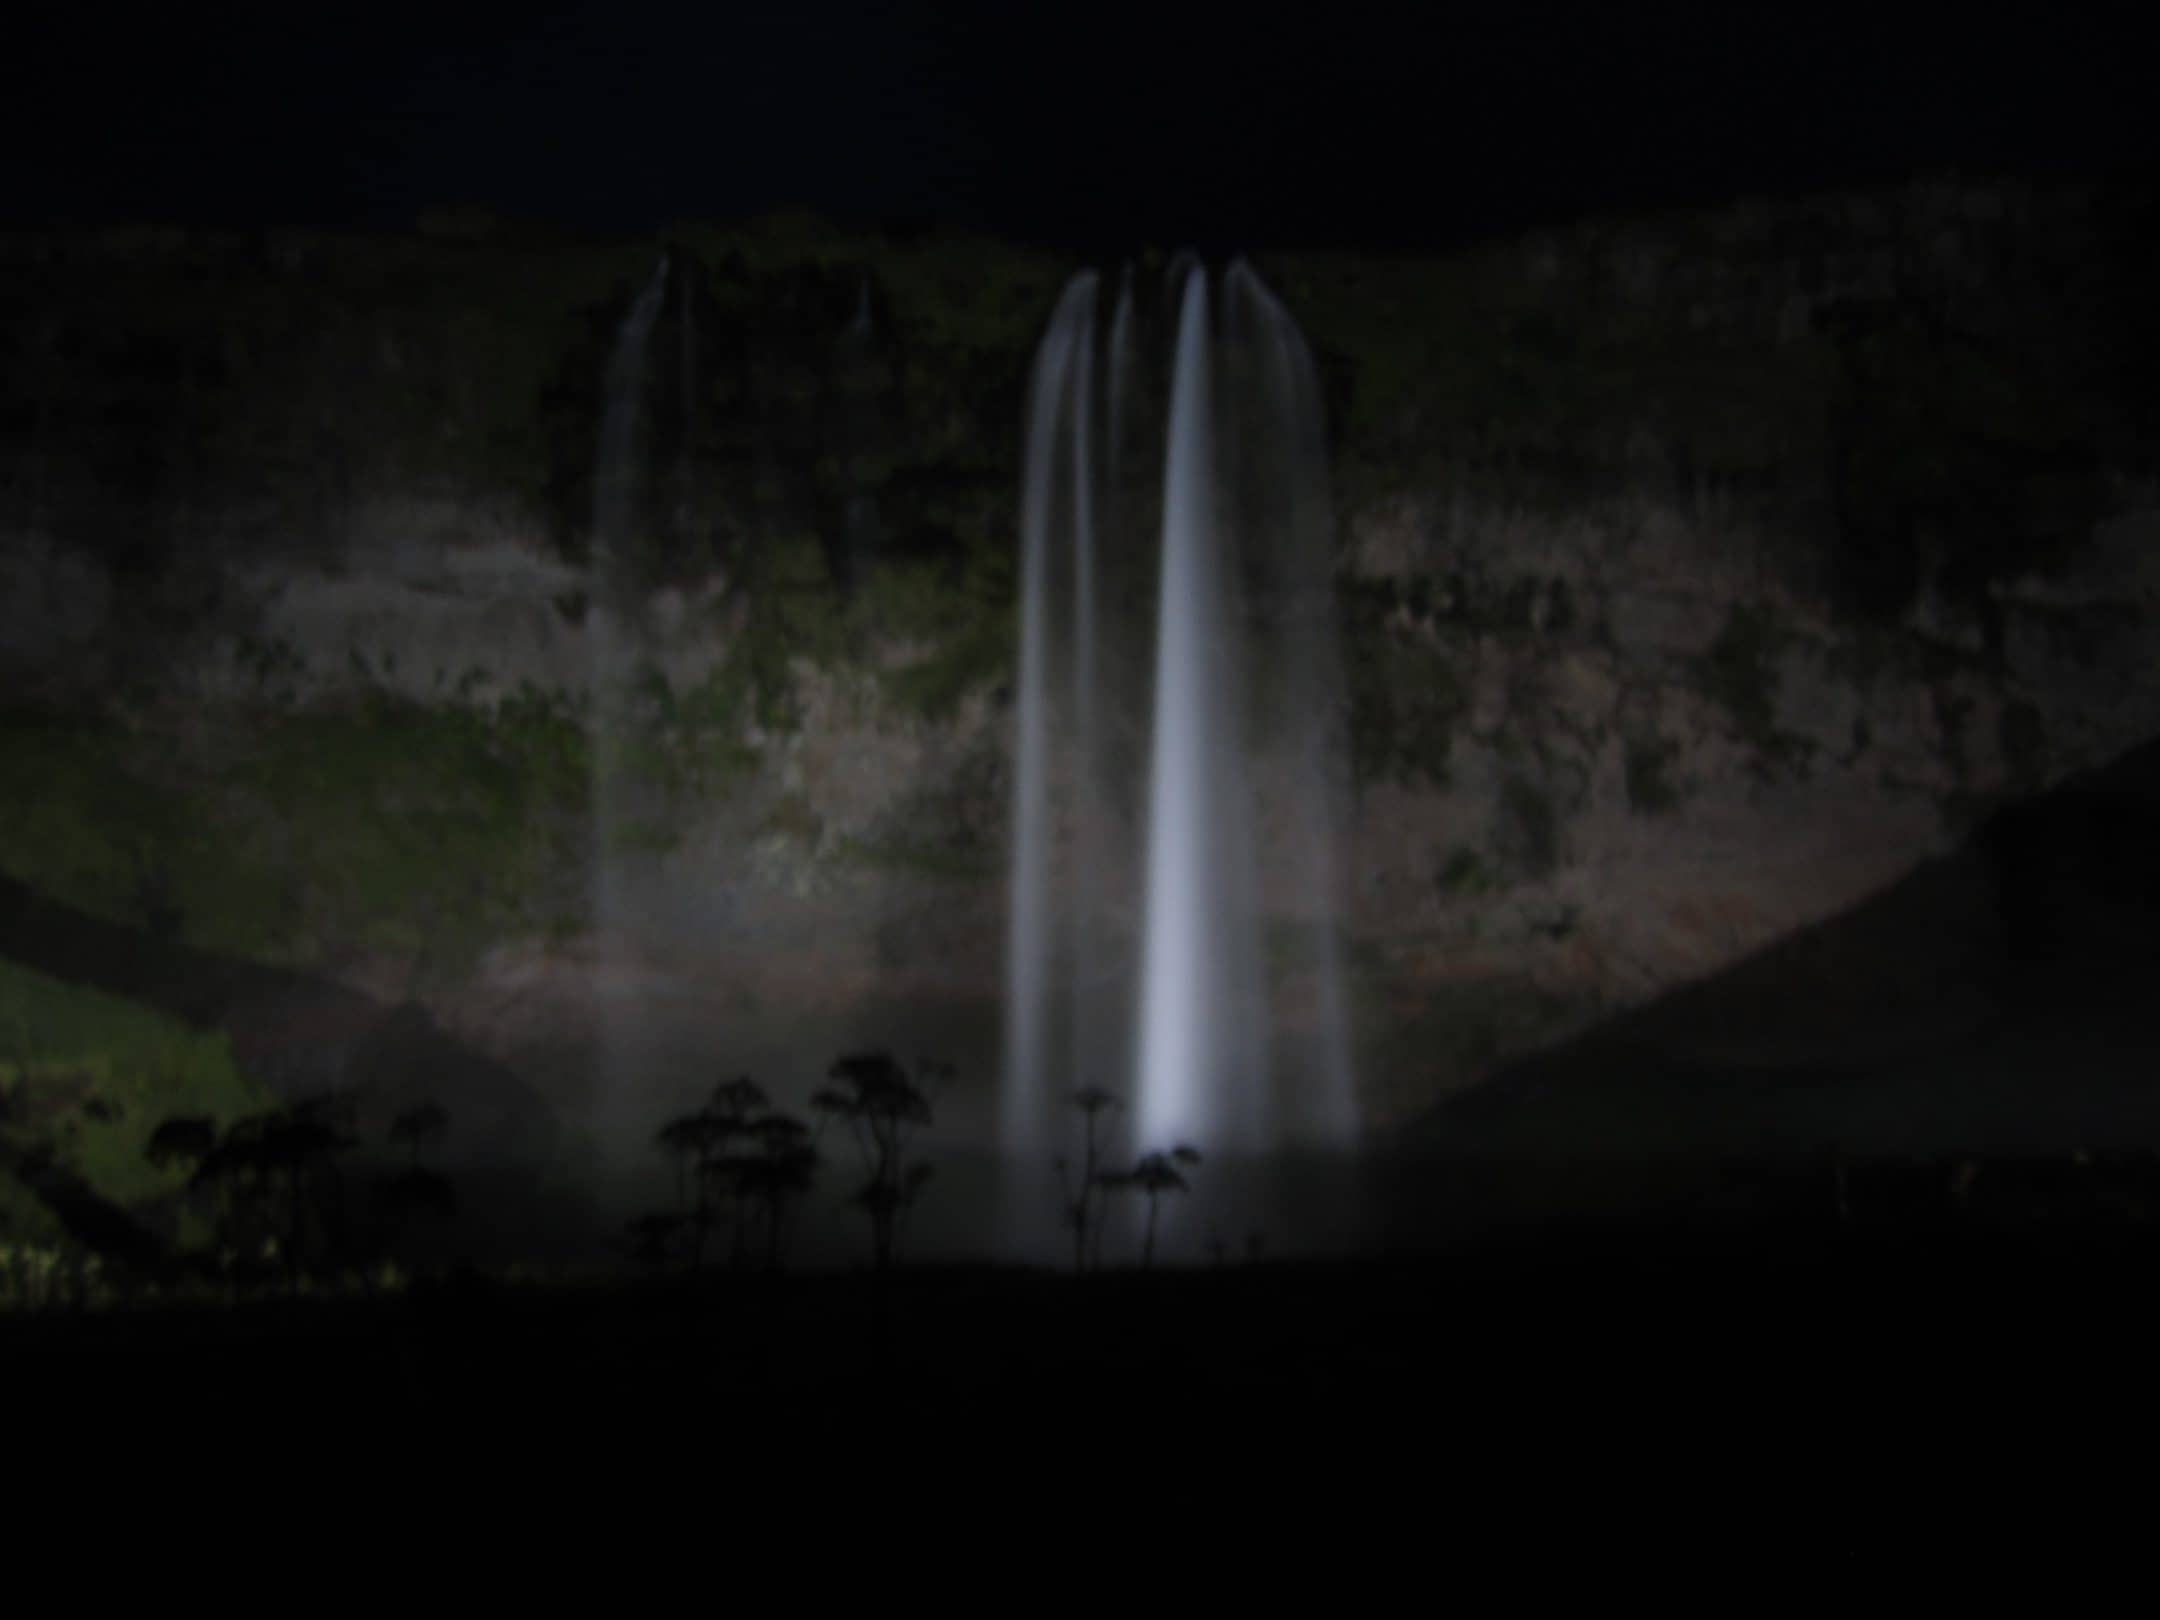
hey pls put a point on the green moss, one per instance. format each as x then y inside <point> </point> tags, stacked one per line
<point>419,830</point>
<point>377,825</point>
<point>81,820</point>
<point>88,1076</point>
<point>410,829</point>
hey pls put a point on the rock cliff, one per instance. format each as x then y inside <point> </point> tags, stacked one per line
<point>1701,576</point>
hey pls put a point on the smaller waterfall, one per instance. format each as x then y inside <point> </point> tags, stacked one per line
<point>1052,437</point>
<point>1285,513</point>
<point>1122,361</point>
<point>855,435</point>
<point>686,444</point>
<point>619,478</point>
<point>616,470</point>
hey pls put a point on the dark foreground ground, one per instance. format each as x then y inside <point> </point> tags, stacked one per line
<point>1826,1342</point>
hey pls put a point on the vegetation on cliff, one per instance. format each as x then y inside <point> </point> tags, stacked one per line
<point>85,1079</point>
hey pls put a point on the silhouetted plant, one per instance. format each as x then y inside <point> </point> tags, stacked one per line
<point>416,1193</point>
<point>699,1143</point>
<point>287,1157</point>
<point>884,1107</point>
<point>1154,1175</point>
<point>734,1105</point>
<point>696,1141</point>
<point>738,1099</point>
<point>1086,1197</point>
<point>682,1140</point>
<point>773,1177</point>
<point>182,1143</point>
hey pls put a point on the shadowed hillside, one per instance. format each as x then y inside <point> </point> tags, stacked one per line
<point>1997,999</point>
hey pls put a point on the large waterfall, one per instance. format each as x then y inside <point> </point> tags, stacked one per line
<point>1174,915</point>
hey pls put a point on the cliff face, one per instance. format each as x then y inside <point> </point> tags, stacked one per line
<point>1700,576</point>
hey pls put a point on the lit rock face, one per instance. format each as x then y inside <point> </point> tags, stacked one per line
<point>1657,651</point>
<point>1690,767</point>
<point>1608,799</point>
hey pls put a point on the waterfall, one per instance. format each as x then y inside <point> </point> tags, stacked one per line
<point>619,476</point>
<point>616,470</point>
<point>686,444</point>
<point>856,435</point>
<point>1285,513</point>
<point>1246,783</point>
<point>1122,361</point>
<point>1087,865</point>
<point>1200,1013</point>
<point>1031,933</point>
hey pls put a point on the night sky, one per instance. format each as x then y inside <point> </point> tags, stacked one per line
<point>1085,127</point>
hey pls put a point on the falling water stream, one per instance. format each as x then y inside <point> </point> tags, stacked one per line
<point>1201,976</point>
<point>1045,520</point>
<point>619,472</point>
<point>1178,784</point>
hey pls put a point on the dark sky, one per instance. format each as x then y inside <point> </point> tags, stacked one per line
<point>1098,126</point>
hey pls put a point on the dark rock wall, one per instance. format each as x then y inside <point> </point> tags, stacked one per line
<point>1701,575</point>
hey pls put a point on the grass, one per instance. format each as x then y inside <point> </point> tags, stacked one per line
<point>88,1076</point>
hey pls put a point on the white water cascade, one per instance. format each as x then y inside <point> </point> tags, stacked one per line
<point>1173,905</point>
<point>1050,517</point>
